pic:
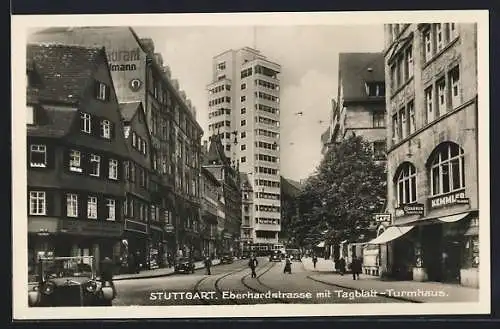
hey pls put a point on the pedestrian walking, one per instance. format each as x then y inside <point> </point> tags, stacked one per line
<point>342,266</point>
<point>208,265</point>
<point>315,260</point>
<point>107,273</point>
<point>253,264</point>
<point>356,268</point>
<point>288,266</point>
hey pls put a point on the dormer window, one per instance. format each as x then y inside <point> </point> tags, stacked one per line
<point>102,91</point>
<point>106,129</point>
<point>375,89</point>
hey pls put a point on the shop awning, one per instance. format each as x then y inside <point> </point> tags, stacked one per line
<point>453,218</point>
<point>390,234</point>
<point>321,244</point>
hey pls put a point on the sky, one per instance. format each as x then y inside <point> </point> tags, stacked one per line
<point>308,56</point>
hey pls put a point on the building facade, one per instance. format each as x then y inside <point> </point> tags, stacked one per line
<point>139,76</point>
<point>431,76</point>
<point>219,165</point>
<point>76,149</point>
<point>360,105</point>
<point>212,208</point>
<point>244,111</point>
<point>247,209</point>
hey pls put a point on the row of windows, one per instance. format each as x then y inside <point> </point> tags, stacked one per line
<point>218,112</point>
<point>436,37</point>
<point>135,173</point>
<point>266,96</point>
<point>264,195</point>
<point>141,210</point>
<point>402,69</point>
<point>93,165</point>
<point>375,89</point>
<point>259,69</point>
<point>266,108</point>
<point>446,174</point>
<point>378,119</point>
<point>38,205</point>
<point>246,73</point>
<point>266,183</point>
<point>265,145</point>
<point>265,157</point>
<point>267,121</point>
<point>267,133</point>
<point>267,208</point>
<point>267,84</point>
<point>219,100</point>
<point>138,143</point>
<point>221,66</point>
<point>264,220</point>
<point>105,126</point>
<point>220,88</point>
<point>266,170</point>
<point>220,124</point>
<point>440,97</point>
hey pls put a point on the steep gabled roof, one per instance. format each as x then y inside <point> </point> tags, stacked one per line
<point>216,154</point>
<point>64,71</point>
<point>353,71</point>
<point>56,121</point>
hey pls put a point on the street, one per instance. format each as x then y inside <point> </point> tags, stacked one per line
<point>231,284</point>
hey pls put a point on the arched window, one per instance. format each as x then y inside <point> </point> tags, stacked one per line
<point>447,171</point>
<point>406,184</point>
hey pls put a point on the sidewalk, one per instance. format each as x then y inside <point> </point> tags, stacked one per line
<point>412,291</point>
<point>158,272</point>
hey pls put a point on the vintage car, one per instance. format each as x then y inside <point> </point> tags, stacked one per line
<point>294,255</point>
<point>226,259</point>
<point>68,281</point>
<point>184,265</point>
<point>276,257</point>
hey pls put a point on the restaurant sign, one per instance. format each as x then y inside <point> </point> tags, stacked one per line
<point>410,209</point>
<point>120,60</point>
<point>450,199</point>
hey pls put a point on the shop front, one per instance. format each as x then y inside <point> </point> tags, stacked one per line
<point>136,240</point>
<point>156,247</point>
<point>68,237</point>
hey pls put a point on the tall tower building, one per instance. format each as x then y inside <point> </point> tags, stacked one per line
<point>243,105</point>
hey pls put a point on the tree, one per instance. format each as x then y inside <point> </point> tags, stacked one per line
<point>344,192</point>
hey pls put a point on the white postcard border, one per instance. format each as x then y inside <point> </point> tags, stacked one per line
<point>20,28</point>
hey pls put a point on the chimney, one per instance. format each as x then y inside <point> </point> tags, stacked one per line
<point>148,45</point>
<point>158,59</point>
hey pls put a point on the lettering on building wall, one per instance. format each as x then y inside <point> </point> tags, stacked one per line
<point>379,218</point>
<point>117,57</point>
<point>456,198</point>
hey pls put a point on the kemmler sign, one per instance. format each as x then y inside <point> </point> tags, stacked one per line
<point>455,198</point>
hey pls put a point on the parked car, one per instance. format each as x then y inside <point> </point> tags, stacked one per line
<point>276,257</point>
<point>227,259</point>
<point>68,281</point>
<point>184,265</point>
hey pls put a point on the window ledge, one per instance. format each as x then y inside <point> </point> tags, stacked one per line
<point>438,54</point>
<point>398,89</point>
<point>434,122</point>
